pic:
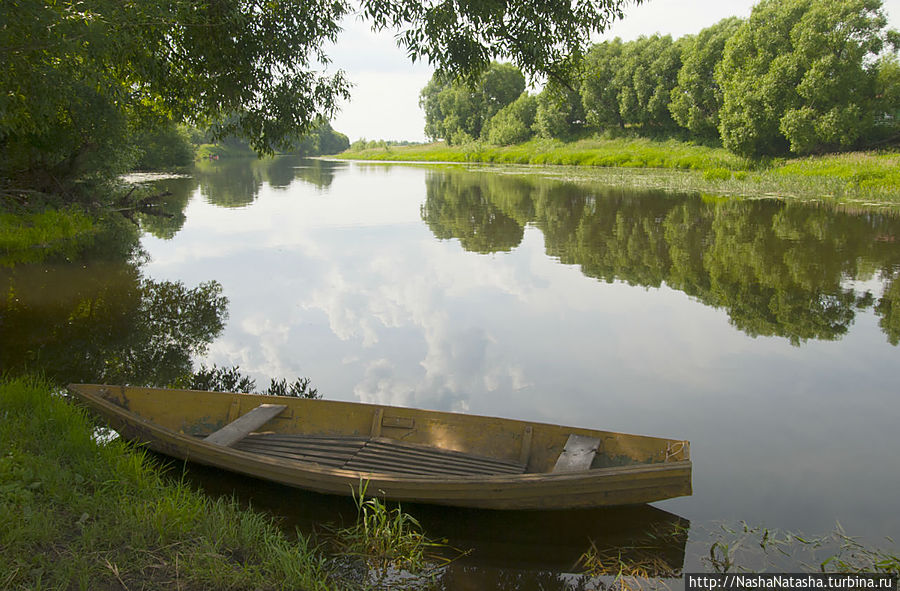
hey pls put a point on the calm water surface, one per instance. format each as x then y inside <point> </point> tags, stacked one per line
<point>764,333</point>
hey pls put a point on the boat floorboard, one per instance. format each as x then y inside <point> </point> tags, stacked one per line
<point>377,454</point>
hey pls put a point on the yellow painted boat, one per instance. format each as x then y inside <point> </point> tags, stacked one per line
<point>404,454</point>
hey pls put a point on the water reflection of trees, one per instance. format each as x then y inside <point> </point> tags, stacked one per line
<point>237,182</point>
<point>167,217</point>
<point>229,183</point>
<point>458,208</point>
<point>102,321</point>
<point>778,269</point>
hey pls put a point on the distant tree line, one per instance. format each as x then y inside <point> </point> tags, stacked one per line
<point>364,144</point>
<point>170,145</point>
<point>800,76</point>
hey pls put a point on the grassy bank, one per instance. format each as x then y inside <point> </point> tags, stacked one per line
<point>628,153</point>
<point>75,514</point>
<point>29,237</point>
<point>869,179</point>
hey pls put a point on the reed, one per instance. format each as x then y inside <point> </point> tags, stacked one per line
<point>746,548</point>
<point>388,545</point>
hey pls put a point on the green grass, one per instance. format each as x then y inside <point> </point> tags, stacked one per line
<point>35,236</point>
<point>627,153</point>
<point>862,179</point>
<point>863,170</point>
<point>75,514</point>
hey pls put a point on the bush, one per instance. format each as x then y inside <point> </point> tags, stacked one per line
<point>513,123</point>
<point>164,147</point>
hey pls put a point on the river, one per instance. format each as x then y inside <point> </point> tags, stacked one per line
<point>762,331</point>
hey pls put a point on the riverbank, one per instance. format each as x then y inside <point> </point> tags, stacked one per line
<point>75,513</point>
<point>861,179</point>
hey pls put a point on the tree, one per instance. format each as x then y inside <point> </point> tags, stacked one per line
<point>559,113</point>
<point>887,95</point>
<point>599,92</point>
<point>321,140</point>
<point>111,64</point>
<point>794,76</point>
<point>456,110</point>
<point>697,98</point>
<point>162,147</point>
<point>648,73</point>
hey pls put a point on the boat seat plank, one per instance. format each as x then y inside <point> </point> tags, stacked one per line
<point>417,448</point>
<point>379,454</point>
<point>366,461</point>
<point>440,458</point>
<point>265,448</point>
<point>578,454</point>
<point>243,425</point>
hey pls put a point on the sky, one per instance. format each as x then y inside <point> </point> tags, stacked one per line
<point>384,101</point>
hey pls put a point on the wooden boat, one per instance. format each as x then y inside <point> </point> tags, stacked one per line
<point>404,454</point>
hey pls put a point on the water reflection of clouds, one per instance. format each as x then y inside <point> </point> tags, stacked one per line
<point>419,297</point>
<point>350,288</point>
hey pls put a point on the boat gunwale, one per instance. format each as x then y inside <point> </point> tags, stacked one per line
<point>213,451</point>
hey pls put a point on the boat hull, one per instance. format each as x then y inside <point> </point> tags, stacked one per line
<point>595,487</point>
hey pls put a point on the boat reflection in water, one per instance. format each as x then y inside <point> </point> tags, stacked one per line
<point>519,550</point>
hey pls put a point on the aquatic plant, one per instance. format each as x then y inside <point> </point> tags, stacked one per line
<point>389,545</point>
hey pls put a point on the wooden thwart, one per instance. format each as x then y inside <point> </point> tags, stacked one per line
<point>578,454</point>
<point>243,425</point>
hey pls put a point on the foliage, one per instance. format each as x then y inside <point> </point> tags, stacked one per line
<point>163,147</point>
<point>230,379</point>
<point>559,112</point>
<point>249,69</point>
<point>513,123</point>
<point>630,83</point>
<point>645,81</point>
<point>460,39</point>
<point>456,110</point>
<point>887,95</point>
<point>322,140</point>
<point>118,66</point>
<point>697,98</point>
<point>599,90</point>
<point>794,76</point>
<point>798,76</point>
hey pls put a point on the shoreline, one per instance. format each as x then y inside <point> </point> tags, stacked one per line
<point>864,180</point>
